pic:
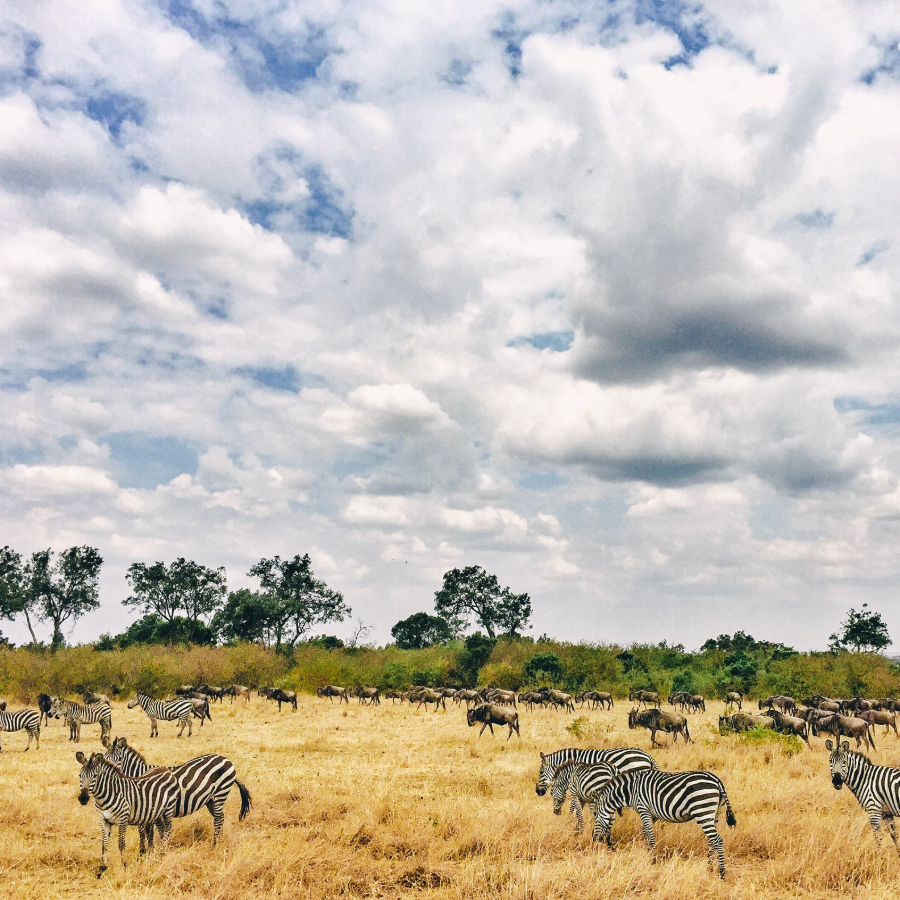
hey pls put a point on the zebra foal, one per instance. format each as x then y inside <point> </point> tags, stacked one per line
<point>877,788</point>
<point>584,782</point>
<point>203,781</point>
<point>145,801</point>
<point>667,797</point>
<point>167,710</point>
<point>23,720</point>
<point>77,714</point>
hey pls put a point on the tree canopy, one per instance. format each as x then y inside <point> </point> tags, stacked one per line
<point>862,631</point>
<point>420,630</point>
<point>471,593</point>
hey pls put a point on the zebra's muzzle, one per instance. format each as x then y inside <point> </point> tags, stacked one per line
<point>837,781</point>
<point>83,798</point>
<point>540,790</point>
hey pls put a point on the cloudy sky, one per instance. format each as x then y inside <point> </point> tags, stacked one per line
<point>601,296</point>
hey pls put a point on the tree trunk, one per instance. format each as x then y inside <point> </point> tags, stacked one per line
<point>30,629</point>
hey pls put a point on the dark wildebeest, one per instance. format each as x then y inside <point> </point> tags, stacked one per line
<point>331,691</point>
<point>848,726</point>
<point>467,696</point>
<point>645,698</point>
<point>888,703</point>
<point>201,709</point>
<point>697,703</point>
<point>495,695</point>
<point>90,697</point>
<point>489,714</point>
<point>733,698</point>
<point>184,690</point>
<point>741,721</point>
<point>857,704</point>
<point>790,725</point>
<point>427,695</point>
<point>214,693</point>
<point>656,720</point>
<point>45,704</point>
<point>369,695</point>
<point>282,696</point>
<point>679,698</point>
<point>603,699</point>
<point>781,702</point>
<point>238,690</point>
<point>880,717</point>
<point>532,699</point>
<point>561,698</point>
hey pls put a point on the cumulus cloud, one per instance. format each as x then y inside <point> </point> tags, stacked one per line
<point>602,298</point>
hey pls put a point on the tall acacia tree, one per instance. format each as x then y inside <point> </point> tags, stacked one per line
<point>862,631</point>
<point>472,593</point>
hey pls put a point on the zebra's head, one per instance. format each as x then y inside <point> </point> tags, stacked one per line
<point>116,750</point>
<point>87,777</point>
<point>545,776</point>
<point>839,762</point>
<point>133,702</point>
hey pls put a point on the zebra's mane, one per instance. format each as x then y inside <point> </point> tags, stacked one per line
<point>129,749</point>
<point>860,757</point>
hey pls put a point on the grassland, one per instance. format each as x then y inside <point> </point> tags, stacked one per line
<point>388,802</point>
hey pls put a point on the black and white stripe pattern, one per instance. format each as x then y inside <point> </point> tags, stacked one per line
<point>669,797</point>
<point>167,710</point>
<point>204,781</point>
<point>625,759</point>
<point>584,782</point>
<point>877,788</point>
<point>145,801</point>
<point>25,719</point>
<point>77,714</point>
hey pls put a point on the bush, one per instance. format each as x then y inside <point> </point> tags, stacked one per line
<point>788,744</point>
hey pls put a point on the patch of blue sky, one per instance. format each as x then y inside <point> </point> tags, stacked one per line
<point>539,480</point>
<point>871,252</point>
<point>283,378</point>
<point>887,413</point>
<point>21,50</point>
<point>145,461</point>
<point>360,462</point>
<point>17,379</point>
<point>113,109</point>
<point>888,65</point>
<point>557,341</point>
<point>685,20</point>
<point>20,454</point>
<point>815,219</point>
<point>511,36</point>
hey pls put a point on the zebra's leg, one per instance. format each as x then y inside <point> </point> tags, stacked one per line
<point>216,810</point>
<point>647,828</point>
<point>165,827</point>
<point>893,829</point>
<point>579,814</point>
<point>105,829</point>
<point>123,827</point>
<point>716,845</point>
<point>143,836</point>
<point>154,730</point>
<point>875,821</point>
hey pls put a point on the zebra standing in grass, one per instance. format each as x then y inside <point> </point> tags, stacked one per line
<point>167,710</point>
<point>27,719</point>
<point>77,714</point>
<point>584,782</point>
<point>670,797</point>
<point>145,801</point>
<point>877,788</point>
<point>204,781</point>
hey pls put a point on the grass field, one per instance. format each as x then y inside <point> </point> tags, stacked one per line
<point>361,802</point>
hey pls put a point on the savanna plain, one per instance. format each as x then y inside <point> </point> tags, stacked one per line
<point>390,801</point>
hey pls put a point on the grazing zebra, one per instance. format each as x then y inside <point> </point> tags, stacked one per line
<point>27,719</point>
<point>145,801</point>
<point>203,781</point>
<point>167,710</point>
<point>877,788</point>
<point>670,797</point>
<point>584,782</point>
<point>77,714</point>
<point>625,759</point>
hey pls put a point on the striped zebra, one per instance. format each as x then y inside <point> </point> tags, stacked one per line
<point>167,710</point>
<point>204,781</point>
<point>584,782</point>
<point>877,788</point>
<point>27,719</point>
<point>77,714</point>
<point>145,801</point>
<point>669,797</point>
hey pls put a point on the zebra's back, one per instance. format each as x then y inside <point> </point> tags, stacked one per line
<point>23,719</point>
<point>200,780</point>
<point>677,796</point>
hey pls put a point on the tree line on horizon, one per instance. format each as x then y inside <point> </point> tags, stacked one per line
<point>189,603</point>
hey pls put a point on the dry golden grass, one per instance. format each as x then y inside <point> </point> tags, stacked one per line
<point>364,802</point>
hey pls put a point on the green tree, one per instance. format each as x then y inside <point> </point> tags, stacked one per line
<point>246,616</point>
<point>741,670</point>
<point>420,630</point>
<point>472,593</point>
<point>296,599</point>
<point>13,586</point>
<point>544,666</point>
<point>476,653</point>
<point>61,591</point>
<point>185,586</point>
<point>863,631</point>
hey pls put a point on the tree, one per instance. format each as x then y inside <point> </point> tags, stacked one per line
<point>61,591</point>
<point>244,617</point>
<point>295,599</point>
<point>420,630</point>
<point>740,670</point>
<point>473,593</point>
<point>477,652</point>
<point>543,667</point>
<point>12,586</point>
<point>186,586</point>
<point>863,631</point>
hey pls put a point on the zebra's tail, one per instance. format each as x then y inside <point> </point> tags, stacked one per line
<point>246,800</point>
<point>729,812</point>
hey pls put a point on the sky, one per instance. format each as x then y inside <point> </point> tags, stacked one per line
<point>600,296</point>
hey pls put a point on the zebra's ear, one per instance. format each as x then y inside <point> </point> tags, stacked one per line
<point>845,745</point>
<point>122,741</point>
<point>81,757</point>
<point>829,745</point>
<point>542,756</point>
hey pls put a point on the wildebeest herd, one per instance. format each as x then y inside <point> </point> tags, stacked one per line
<point>129,790</point>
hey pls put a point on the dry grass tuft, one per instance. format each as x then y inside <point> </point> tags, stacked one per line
<point>391,802</point>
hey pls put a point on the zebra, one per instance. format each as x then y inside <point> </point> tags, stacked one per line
<point>670,797</point>
<point>203,781</point>
<point>877,788</point>
<point>145,801</point>
<point>27,719</point>
<point>167,710</point>
<point>584,782</point>
<point>625,759</point>
<point>77,714</point>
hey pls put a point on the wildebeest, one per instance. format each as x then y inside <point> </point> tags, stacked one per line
<point>645,698</point>
<point>331,691</point>
<point>741,721</point>
<point>790,725</point>
<point>697,703</point>
<point>467,696</point>
<point>427,695</point>
<point>90,697</point>
<point>201,709</point>
<point>490,714</point>
<point>214,693</point>
<point>880,717</point>
<point>857,704</point>
<point>781,702</point>
<point>45,704</point>
<point>369,695</point>
<point>560,699</point>
<point>656,720</point>
<point>848,726</point>
<point>679,698</point>
<point>888,703</point>
<point>238,690</point>
<point>282,696</point>
<point>603,699</point>
<point>184,690</point>
<point>495,695</point>
<point>734,698</point>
